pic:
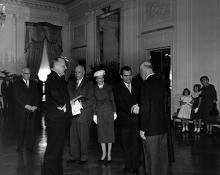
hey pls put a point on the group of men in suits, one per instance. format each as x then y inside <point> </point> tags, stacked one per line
<point>151,123</point>
<point>59,117</point>
<point>140,109</point>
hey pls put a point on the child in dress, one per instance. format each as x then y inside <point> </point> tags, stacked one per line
<point>195,108</point>
<point>185,109</point>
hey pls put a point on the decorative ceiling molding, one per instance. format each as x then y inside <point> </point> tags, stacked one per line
<point>80,8</point>
<point>92,4</point>
<point>63,2</point>
<point>37,5</point>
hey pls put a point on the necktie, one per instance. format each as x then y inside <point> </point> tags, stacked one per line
<point>129,87</point>
<point>26,82</point>
<point>77,83</point>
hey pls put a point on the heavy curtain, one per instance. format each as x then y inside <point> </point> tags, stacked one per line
<point>36,33</point>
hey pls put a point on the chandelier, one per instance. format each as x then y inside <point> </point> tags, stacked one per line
<point>2,15</point>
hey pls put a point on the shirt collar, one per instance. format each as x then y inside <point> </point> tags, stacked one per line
<point>149,75</point>
<point>126,84</point>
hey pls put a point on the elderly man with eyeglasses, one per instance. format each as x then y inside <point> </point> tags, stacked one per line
<point>26,100</point>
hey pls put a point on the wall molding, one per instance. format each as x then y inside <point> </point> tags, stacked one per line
<point>157,30</point>
<point>37,5</point>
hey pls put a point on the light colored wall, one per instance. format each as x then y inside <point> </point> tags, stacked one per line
<point>85,12</point>
<point>189,27</point>
<point>197,44</point>
<point>12,34</point>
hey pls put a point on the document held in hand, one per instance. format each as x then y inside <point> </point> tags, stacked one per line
<point>76,107</point>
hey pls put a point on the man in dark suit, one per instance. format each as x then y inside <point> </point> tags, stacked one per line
<point>57,118</point>
<point>79,130</point>
<point>153,129</point>
<point>126,95</point>
<point>26,100</point>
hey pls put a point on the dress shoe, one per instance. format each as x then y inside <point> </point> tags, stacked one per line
<point>82,162</point>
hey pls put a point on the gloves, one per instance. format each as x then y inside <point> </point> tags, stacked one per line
<point>95,119</point>
<point>196,110</point>
<point>142,134</point>
<point>115,115</point>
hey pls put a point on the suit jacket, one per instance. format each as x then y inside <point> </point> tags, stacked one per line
<point>5,89</point>
<point>153,105</point>
<point>25,95</point>
<point>86,89</point>
<point>57,96</point>
<point>124,101</point>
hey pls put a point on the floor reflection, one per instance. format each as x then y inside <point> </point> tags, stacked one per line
<point>195,154</point>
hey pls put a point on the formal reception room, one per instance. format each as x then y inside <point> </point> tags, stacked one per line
<point>109,87</point>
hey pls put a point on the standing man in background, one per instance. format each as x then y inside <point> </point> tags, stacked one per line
<point>127,102</point>
<point>57,119</point>
<point>154,124</point>
<point>26,100</point>
<point>80,127</point>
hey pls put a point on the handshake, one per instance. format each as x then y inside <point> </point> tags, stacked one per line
<point>30,108</point>
<point>135,109</point>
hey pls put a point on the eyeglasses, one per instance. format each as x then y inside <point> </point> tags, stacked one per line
<point>27,73</point>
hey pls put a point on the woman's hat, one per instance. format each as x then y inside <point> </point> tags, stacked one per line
<point>99,73</point>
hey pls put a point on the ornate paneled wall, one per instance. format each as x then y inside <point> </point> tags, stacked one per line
<point>190,28</point>
<point>197,43</point>
<point>12,34</point>
<point>85,12</point>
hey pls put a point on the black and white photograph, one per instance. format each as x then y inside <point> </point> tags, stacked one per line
<point>109,87</point>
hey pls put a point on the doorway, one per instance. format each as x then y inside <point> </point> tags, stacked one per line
<point>108,36</point>
<point>161,62</point>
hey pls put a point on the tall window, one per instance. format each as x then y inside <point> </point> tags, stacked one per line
<point>44,67</point>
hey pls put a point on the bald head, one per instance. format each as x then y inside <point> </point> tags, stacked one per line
<point>79,72</point>
<point>145,69</point>
<point>26,73</point>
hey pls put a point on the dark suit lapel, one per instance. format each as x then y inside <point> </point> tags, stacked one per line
<point>125,90</point>
<point>23,84</point>
<point>79,89</point>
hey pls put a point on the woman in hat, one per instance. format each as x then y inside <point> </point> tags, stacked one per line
<point>104,114</point>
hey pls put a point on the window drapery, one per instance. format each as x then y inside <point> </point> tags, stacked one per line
<point>36,33</point>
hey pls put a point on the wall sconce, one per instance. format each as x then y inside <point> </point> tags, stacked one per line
<point>2,15</point>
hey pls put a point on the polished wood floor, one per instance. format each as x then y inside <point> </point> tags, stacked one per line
<point>194,154</point>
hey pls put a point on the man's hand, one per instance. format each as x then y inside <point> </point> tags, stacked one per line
<point>28,107</point>
<point>72,102</point>
<point>33,108</point>
<point>135,109</point>
<point>196,110</point>
<point>142,134</point>
<point>62,108</point>
<point>95,119</point>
